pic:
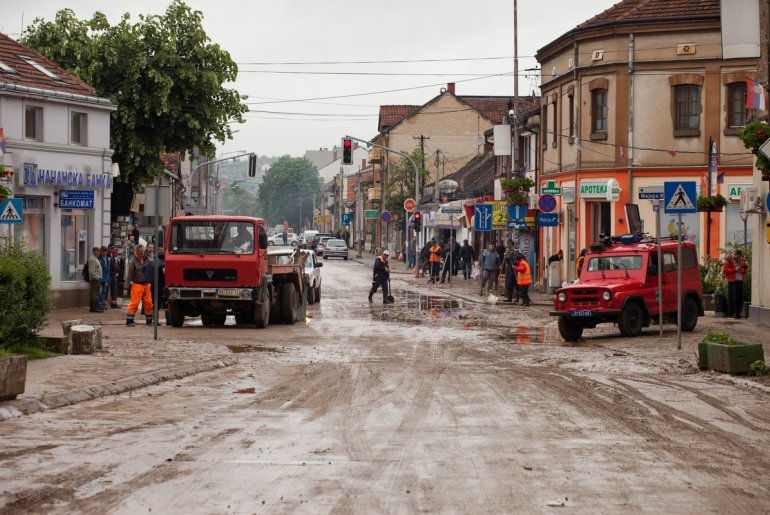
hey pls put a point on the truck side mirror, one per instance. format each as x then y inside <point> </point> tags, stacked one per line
<point>262,240</point>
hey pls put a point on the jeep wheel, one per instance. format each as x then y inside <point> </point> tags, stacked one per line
<point>631,320</point>
<point>689,314</point>
<point>570,331</point>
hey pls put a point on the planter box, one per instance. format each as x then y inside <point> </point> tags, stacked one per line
<point>13,375</point>
<point>732,359</point>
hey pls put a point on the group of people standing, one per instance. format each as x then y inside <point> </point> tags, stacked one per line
<point>105,268</point>
<point>499,260</point>
<point>442,260</point>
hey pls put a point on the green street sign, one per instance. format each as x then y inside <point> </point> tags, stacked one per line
<point>551,189</point>
<point>371,214</point>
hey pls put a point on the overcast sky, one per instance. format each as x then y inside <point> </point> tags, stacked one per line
<point>263,36</point>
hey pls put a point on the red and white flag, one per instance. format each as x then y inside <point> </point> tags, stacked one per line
<point>2,142</point>
<point>755,95</point>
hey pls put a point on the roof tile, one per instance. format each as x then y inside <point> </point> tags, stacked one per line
<point>653,10</point>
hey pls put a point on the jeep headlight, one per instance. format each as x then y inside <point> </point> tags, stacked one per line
<point>606,295</point>
<point>561,297</point>
<point>173,293</point>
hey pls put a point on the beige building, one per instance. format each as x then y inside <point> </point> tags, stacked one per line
<point>632,98</point>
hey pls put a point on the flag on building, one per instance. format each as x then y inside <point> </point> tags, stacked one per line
<point>2,142</point>
<point>755,95</point>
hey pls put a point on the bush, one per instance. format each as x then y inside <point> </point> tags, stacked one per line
<point>719,337</point>
<point>712,277</point>
<point>759,368</point>
<point>25,290</point>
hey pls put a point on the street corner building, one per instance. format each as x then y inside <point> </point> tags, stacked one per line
<point>55,157</point>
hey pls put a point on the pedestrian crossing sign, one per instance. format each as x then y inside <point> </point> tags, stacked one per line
<point>11,211</point>
<point>679,197</point>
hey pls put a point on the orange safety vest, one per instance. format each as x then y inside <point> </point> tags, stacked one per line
<point>523,277</point>
<point>435,254</point>
<point>579,265</point>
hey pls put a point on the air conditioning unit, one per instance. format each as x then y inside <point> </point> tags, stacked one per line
<point>374,194</point>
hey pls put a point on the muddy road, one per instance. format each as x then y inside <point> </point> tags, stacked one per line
<point>436,403</point>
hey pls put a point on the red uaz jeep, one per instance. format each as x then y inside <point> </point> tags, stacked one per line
<point>619,284</point>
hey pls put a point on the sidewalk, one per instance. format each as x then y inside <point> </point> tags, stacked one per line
<point>130,359</point>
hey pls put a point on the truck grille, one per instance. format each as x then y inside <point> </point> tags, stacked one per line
<point>193,274</point>
<point>584,297</point>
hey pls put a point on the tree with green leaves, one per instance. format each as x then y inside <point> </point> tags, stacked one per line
<point>164,75</point>
<point>401,181</point>
<point>289,182</point>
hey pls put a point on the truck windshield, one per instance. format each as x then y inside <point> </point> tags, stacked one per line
<point>212,237</point>
<point>606,263</point>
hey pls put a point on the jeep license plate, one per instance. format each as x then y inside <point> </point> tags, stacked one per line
<point>228,292</point>
<point>581,313</point>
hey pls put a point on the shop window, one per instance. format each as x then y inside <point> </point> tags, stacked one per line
<point>33,123</point>
<point>78,129</point>
<point>31,231</point>
<point>687,108</point>
<point>74,243</point>
<point>599,114</point>
<point>737,114</point>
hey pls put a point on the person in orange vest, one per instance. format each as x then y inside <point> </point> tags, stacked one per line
<point>138,287</point>
<point>579,263</point>
<point>735,270</point>
<point>435,262</point>
<point>523,278</point>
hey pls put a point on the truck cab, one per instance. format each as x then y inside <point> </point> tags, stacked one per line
<point>619,284</point>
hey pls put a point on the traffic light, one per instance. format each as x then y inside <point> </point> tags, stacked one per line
<point>252,165</point>
<point>417,221</point>
<point>347,151</point>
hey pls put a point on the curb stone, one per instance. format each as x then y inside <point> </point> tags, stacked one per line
<point>17,408</point>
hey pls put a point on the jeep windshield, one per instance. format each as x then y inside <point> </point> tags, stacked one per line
<point>212,237</point>
<point>614,265</point>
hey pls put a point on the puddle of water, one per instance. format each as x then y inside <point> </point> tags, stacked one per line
<point>523,335</point>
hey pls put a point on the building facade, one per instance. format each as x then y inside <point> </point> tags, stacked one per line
<point>57,133</point>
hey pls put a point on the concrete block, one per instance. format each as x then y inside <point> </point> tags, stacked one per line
<point>67,325</point>
<point>13,376</point>
<point>83,339</point>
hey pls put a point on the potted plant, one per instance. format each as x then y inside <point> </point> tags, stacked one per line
<point>720,351</point>
<point>710,203</point>
<point>515,189</point>
<point>753,135</point>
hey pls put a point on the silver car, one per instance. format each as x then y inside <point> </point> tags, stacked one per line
<point>312,269</point>
<point>336,248</point>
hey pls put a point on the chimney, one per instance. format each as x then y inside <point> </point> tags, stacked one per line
<point>450,87</point>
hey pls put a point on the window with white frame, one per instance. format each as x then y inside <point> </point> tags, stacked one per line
<point>78,128</point>
<point>33,123</point>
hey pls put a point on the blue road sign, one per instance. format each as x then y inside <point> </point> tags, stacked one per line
<point>482,217</point>
<point>517,211</point>
<point>386,216</point>
<point>11,211</point>
<point>546,203</point>
<point>679,197</point>
<point>76,199</point>
<point>651,193</point>
<point>547,219</point>
<point>345,218</point>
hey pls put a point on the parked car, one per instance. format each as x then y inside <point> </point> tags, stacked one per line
<point>312,270</point>
<point>321,247</point>
<point>336,248</point>
<point>313,242</point>
<point>619,284</point>
<point>277,239</point>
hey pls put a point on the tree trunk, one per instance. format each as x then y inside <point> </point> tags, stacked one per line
<point>83,338</point>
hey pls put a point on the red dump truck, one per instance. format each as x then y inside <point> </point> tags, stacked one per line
<point>218,266</point>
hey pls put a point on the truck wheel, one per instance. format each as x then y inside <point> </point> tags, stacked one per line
<point>317,293</point>
<point>570,331</point>
<point>689,314</point>
<point>289,304</point>
<point>176,314</point>
<point>262,314</point>
<point>631,319</point>
<point>310,295</point>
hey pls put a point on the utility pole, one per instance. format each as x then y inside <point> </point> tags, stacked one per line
<point>514,147</point>
<point>422,147</point>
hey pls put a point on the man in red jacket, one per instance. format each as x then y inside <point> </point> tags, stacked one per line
<point>735,270</point>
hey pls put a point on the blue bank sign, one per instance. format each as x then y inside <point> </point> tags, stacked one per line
<point>34,177</point>
<point>76,199</point>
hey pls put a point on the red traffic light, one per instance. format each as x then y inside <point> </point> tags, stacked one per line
<point>347,151</point>
<point>417,215</point>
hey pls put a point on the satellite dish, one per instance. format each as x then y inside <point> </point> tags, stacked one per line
<point>480,140</point>
<point>448,186</point>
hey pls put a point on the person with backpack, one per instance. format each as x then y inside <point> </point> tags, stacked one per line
<point>94,269</point>
<point>138,287</point>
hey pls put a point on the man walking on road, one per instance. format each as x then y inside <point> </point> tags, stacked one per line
<point>380,277</point>
<point>95,280</point>
<point>490,264</point>
<point>138,287</point>
<point>466,258</point>
<point>523,278</point>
